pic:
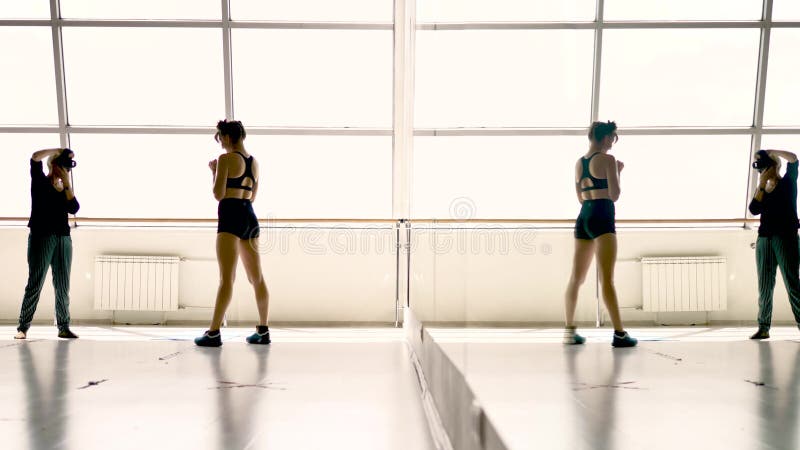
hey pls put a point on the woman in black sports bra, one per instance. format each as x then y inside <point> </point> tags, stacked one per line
<point>597,188</point>
<point>235,187</point>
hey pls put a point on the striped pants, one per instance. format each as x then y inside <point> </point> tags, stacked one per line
<point>43,252</point>
<point>773,252</point>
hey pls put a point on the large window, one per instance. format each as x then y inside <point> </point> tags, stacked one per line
<point>498,95</point>
<point>313,10</point>
<point>28,9</point>
<point>142,176</point>
<point>329,177</point>
<point>167,176</point>
<point>790,142</point>
<point>141,9</point>
<point>783,10</point>
<point>679,77</point>
<point>144,76</point>
<point>490,78</point>
<point>321,78</point>
<point>505,10</point>
<point>469,177</point>
<point>782,105</point>
<point>683,9</point>
<point>27,92</point>
<point>683,177</point>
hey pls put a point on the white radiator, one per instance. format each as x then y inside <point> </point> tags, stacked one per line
<point>696,283</point>
<point>136,283</point>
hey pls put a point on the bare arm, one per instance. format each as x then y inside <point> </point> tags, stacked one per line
<point>67,180</point>
<point>578,169</point>
<point>220,176</point>
<point>255,181</point>
<point>46,153</point>
<point>612,174</point>
<point>788,156</point>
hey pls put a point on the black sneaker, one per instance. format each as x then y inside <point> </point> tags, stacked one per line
<point>762,333</point>
<point>209,339</point>
<point>66,333</point>
<point>259,338</point>
<point>624,341</point>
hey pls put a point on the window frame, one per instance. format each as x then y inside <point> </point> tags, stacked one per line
<point>402,130</point>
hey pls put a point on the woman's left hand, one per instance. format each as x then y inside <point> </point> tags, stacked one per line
<point>213,165</point>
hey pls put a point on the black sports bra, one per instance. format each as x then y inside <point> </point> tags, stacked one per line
<point>597,183</point>
<point>236,183</point>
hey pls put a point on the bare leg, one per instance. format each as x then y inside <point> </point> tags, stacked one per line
<point>252,265</point>
<point>584,250</point>
<point>227,256</point>
<point>606,260</point>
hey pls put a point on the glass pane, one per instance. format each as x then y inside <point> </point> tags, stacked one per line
<point>313,10</point>
<point>313,77</point>
<point>683,177</point>
<point>27,9</point>
<point>679,77</point>
<point>144,76</point>
<point>505,10</point>
<point>28,90</point>
<point>782,101</point>
<point>490,78</point>
<point>785,10</point>
<point>144,176</point>
<point>463,177</point>
<point>16,180</point>
<point>682,10</point>
<point>790,142</point>
<point>141,9</point>
<point>324,176</point>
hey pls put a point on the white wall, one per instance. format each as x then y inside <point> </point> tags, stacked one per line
<point>527,282</point>
<point>314,275</point>
<point>348,276</point>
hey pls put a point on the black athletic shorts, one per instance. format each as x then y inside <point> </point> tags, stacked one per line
<point>596,218</point>
<point>236,216</point>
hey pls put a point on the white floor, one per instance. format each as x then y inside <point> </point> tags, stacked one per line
<point>682,388</point>
<point>151,388</point>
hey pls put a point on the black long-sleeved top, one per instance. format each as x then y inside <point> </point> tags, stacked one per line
<point>778,208</point>
<point>49,207</point>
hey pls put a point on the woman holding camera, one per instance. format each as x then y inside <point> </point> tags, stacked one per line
<point>597,188</point>
<point>235,187</point>
<point>49,241</point>
<point>777,244</point>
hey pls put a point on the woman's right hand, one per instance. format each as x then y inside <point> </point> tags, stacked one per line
<point>620,166</point>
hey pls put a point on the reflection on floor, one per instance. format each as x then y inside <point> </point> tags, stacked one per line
<point>151,388</point>
<point>708,388</point>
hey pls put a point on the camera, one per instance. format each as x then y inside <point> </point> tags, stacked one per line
<point>64,160</point>
<point>763,162</point>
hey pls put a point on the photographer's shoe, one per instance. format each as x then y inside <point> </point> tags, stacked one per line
<point>20,335</point>
<point>209,339</point>
<point>261,336</point>
<point>66,333</point>
<point>762,333</point>
<point>572,338</point>
<point>623,340</point>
